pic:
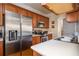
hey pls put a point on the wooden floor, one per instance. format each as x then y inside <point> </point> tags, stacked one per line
<point>27,52</point>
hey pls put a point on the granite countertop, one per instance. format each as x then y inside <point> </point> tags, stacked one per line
<point>35,35</point>
<point>56,48</point>
<point>39,35</point>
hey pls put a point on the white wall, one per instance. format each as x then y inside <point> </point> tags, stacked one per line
<point>54,31</point>
<point>60,24</point>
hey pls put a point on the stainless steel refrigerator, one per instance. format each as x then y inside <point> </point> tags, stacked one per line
<point>18,33</point>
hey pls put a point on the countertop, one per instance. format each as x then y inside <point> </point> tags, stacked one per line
<point>39,35</point>
<point>35,35</point>
<point>56,48</point>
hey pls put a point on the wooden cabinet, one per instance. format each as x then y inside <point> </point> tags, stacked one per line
<point>11,7</point>
<point>36,40</point>
<point>1,48</point>
<point>72,17</point>
<point>30,14</point>
<point>1,19</point>
<point>46,23</point>
<point>78,15</point>
<point>22,11</point>
<point>36,54</point>
<point>45,20</point>
<point>0,7</point>
<point>34,21</point>
<point>1,15</point>
<point>39,17</point>
<point>50,36</point>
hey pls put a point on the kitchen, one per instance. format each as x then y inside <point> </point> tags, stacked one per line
<point>24,29</point>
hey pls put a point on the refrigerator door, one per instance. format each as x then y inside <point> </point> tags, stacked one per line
<point>26,24</point>
<point>12,33</point>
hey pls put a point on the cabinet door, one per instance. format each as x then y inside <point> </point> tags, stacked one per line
<point>46,23</point>
<point>34,21</point>
<point>1,48</point>
<point>0,7</point>
<point>49,36</point>
<point>11,7</point>
<point>1,19</point>
<point>72,17</point>
<point>78,15</point>
<point>30,14</point>
<point>39,17</point>
<point>36,40</point>
<point>22,11</point>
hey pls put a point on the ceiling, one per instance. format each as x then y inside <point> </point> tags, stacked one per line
<point>38,7</point>
<point>59,8</point>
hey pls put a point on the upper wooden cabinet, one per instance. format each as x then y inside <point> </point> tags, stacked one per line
<point>72,17</point>
<point>38,18</point>
<point>22,11</point>
<point>1,15</point>
<point>78,15</point>
<point>0,7</point>
<point>45,20</point>
<point>34,20</point>
<point>30,14</point>
<point>11,7</point>
<point>1,19</point>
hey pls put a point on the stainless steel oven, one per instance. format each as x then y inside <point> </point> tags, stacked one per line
<point>44,38</point>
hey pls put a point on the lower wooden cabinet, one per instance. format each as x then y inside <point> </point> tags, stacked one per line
<point>36,40</point>
<point>36,54</point>
<point>50,36</point>
<point>1,48</point>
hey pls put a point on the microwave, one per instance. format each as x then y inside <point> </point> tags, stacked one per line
<point>40,24</point>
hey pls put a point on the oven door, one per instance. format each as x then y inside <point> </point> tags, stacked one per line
<point>44,38</point>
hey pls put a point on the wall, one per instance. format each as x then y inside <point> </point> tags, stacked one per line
<point>60,24</point>
<point>54,31</point>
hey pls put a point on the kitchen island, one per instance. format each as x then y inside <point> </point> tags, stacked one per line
<point>56,48</point>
